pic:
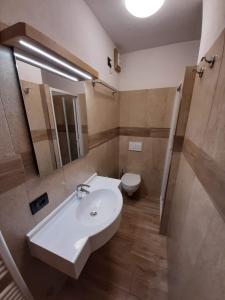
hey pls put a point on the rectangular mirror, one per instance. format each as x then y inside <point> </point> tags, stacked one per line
<point>57,116</point>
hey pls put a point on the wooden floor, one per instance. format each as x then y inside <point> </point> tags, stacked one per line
<point>132,266</point>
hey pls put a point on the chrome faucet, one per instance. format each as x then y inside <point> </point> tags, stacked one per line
<point>80,189</point>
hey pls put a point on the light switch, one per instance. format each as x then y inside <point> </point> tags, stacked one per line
<point>135,146</point>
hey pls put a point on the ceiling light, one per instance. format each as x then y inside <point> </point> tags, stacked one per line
<point>43,66</point>
<point>143,8</point>
<point>55,59</point>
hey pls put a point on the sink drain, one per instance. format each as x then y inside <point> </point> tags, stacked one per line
<point>93,213</point>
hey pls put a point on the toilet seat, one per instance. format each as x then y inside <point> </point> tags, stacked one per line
<point>130,179</point>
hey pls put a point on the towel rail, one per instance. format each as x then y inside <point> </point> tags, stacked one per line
<point>12,284</point>
<point>114,91</point>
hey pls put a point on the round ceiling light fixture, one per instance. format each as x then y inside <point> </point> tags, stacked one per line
<point>143,8</point>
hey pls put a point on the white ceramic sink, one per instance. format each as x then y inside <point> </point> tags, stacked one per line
<point>66,238</point>
<point>98,207</point>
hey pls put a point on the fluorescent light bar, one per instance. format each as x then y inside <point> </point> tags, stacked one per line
<point>55,59</point>
<point>43,66</point>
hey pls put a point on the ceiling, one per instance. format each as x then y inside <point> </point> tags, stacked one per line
<point>176,21</point>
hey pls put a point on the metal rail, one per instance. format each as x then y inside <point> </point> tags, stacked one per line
<point>114,91</point>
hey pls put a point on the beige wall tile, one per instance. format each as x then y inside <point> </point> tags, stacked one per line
<point>13,103</point>
<point>196,221</point>
<point>76,173</point>
<point>6,142</point>
<point>102,109</point>
<point>181,199</point>
<point>207,280</point>
<point>46,163</point>
<point>214,137</point>
<point>190,220</point>
<point>133,108</point>
<point>196,229</point>
<point>33,104</point>
<point>178,258</point>
<point>203,95</point>
<point>54,185</point>
<point>102,159</point>
<point>105,158</point>
<point>146,108</point>
<point>159,107</point>
<point>16,220</point>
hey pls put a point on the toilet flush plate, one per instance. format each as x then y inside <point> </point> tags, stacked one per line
<point>135,146</point>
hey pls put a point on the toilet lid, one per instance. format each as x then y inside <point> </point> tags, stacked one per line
<point>131,179</point>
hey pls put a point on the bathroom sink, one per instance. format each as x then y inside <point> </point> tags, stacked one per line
<point>98,207</point>
<point>67,237</point>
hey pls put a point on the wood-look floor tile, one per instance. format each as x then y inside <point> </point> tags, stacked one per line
<point>89,289</point>
<point>132,297</point>
<point>132,265</point>
<point>148,289</point>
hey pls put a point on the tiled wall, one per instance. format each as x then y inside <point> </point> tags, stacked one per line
<point>20,183</point>
<point>196,229</point>
<point>145,117</point>
<point>185,103</point>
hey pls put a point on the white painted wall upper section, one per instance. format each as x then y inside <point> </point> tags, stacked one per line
<point>70,23</point>
<point>177,21</point>
<point>157,67</point>
<point>28,72</point>
<point>213,23</point>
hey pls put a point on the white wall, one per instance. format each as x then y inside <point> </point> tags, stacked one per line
<point>213,23</point>
<point>63,84</point>
<point>157,67</point>
<point>28,72</point>
<point>69,22</point>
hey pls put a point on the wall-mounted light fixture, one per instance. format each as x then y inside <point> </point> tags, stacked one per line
<point>38,47</point>
<point>43,66</point>
<point>54,59</point>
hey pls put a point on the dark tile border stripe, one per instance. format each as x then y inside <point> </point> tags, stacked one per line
<point>145,132</point>
<point>11,173</point>
<point>102,137</point>
<point>43,135</point>
<point>14,171</point>
<point>208,172</point>
<point>84,128</point>
<point>29,163</point>
<point>135,131</point>
<point>159,132</point>
<point>178,143</point>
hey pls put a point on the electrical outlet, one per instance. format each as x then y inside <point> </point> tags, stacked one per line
<point>39,203</point>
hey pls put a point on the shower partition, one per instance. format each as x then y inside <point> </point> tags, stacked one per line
<point>170,144</point>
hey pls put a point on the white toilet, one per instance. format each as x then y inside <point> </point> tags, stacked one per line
<point>130,183</point>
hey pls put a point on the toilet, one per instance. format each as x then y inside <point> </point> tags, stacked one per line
<point>130,183</point>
